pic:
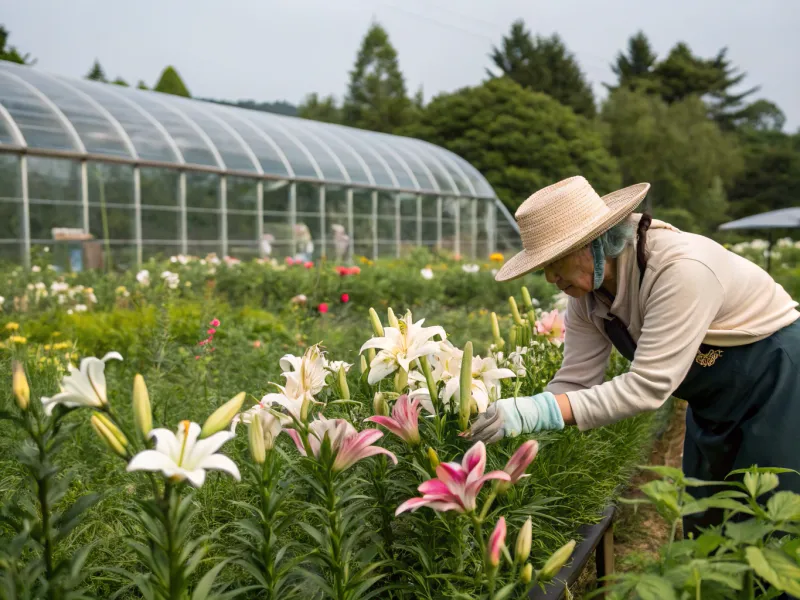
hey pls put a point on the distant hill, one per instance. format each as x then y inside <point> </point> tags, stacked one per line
<point>281,107</point>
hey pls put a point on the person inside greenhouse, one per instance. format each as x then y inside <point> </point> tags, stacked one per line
<point>697,322</point>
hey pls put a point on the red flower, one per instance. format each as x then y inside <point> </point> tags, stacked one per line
<point>289,261</point>
<point>354,271</point>
<point>342,271</point>
<point>323,307</point>
<point>308,265</point>
<point>214,322</point>
<point>345,298</point>
<point>211,331</point>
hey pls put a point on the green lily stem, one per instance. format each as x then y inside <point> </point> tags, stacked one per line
<point>34,426</point>
<point>334,526</point>
<point>488,570</point>
<point>265,486</point>
<point>175,571</point>
<point>434,394</point>
<point>488,504</point>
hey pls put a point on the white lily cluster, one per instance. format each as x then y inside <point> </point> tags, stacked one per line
<point>401,348</point>
<point>306,376</point>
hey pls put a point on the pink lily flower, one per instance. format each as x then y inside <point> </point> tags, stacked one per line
<point>519,462</point>
<point>552,325</point>
<point>456,486</point>
<point>404,422</point>
<point>348,445</point>
<point>496,542</point>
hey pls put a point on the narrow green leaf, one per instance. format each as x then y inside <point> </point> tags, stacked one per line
<point>203,587</point>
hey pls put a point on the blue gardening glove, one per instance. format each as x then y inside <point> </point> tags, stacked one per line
<point>509,417</point>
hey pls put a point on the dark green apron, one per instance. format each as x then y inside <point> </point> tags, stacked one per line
<point>744,408</point>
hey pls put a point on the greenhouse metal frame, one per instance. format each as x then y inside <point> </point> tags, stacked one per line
<point>148,173</point>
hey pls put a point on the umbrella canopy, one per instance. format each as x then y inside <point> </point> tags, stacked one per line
<point>786,218</point>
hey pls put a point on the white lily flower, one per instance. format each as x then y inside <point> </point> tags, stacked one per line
<point>172,280</point>
<point>183,456</point>
<point>84,387</point>
<point>401,345</point>
<point>470,268</point>
<point>143,277</point>
<point>307,371</point>
<point>486,369</point>
<point>426,273</point>
<point>334,365</point>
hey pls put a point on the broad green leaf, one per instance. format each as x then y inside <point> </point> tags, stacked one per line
<point>748,532</point>
<point>776,568</point>
<point>729,574</point>
<point>775,470</point>
<point>784,506</point>
<point>706,543</point>
<point>652,587</point>
<point>671,472</point>
<point>505,592</point>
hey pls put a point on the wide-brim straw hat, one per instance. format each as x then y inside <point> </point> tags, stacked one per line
<point>564,217</point>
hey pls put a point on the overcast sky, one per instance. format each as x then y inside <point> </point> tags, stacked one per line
<point>282,49</point>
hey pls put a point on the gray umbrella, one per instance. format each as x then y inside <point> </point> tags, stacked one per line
<point>786,218</point>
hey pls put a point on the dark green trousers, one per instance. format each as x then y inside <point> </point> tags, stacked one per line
<point>744,410</point>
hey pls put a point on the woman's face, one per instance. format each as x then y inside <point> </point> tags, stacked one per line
<point>573,274</point>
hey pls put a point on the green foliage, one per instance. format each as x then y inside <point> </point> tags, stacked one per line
<point>320,109</point>
<point>96,73</point>
<point>280,107</point>
<point>10,53</point>
<point>376,95</point>
<point>120,82</point>
<point>635,69</point>
<point>753,553</point>
<point>544,65</point>
<point>685,156</point>
<point>171,83</point>
<point>519,139</point>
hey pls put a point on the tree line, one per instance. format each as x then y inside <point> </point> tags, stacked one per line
<point>712,148</point>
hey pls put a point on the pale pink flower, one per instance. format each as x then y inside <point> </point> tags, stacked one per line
<point>214,323</point>
<point>519,462</point>
<point>456,486</point>
<point>496,542</point>
<point>551,325</point>
<point>348,445</point>
<point>404,422</point>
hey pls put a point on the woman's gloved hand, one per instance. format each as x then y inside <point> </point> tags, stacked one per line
<point>510,417</point>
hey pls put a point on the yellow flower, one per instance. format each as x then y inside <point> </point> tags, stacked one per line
<point>496,257</point>
<point>17,339</point>
<point>47,347</point>
<point>12,326</point>
<point>61,345</point>
<point>56,333</point>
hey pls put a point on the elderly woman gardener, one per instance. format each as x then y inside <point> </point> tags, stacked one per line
<point>695,320</point>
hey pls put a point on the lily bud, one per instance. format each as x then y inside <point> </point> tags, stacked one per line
<point>513,337</point>
<point>344,391</point>
<point>256,438</point>
<point>19,385</point>
<point>532,318</point>
<point>527,574</point>
<point>465,386</point>
<point>514,310</point>
<point>379,405</point>
<point>377,327</point>
<point>556,561</point>
<point>524,538</point>
<point>304,408</point>
<point>223,416</point>
<point>499,342</point>
<point>370,355</point>
<point>434,458</point>
<point>526,299</point>
<point>142,413</point>
<point>364,365</point>
<point>393,322</point>
<point>109,433</point>
<point>400,380</point>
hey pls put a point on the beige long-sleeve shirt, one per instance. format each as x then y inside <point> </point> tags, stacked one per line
<point>694,291</point>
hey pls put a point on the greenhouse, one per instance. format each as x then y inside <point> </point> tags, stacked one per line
<point>108,174</point>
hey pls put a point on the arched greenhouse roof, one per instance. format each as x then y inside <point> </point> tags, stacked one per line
<point>52,115</point>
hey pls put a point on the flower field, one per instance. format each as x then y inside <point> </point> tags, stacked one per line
<point>209,428</point>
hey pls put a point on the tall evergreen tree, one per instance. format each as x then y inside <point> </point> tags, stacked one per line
<point>320,109</point>
<point>11,54</point>
<point>543,64</point>
<point>636,67</point>
<point>376,96</point>
<point>96,73</point>
<point>171,83</point>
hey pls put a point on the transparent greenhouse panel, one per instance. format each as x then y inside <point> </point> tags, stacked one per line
<point>264,147</point>
<point>427,154</point>
<point>393,160</point>
<point>112,216</point>
<point>150,142</point>
<point>40,125</point>
<point>354,160</point>
<point>277,226</point>
<point>96,130</point>
<point>303,165</point>
<point>235,154</point>
<point>242,204</point>
<point>11,212</point>
<point>337,234</point>
<point>161,218</point>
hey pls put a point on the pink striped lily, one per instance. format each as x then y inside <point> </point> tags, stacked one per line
<point>496,542</point>
<point>404,422</point>
<point>348,445</point>
<point>456,486</point>
<point>519,462</point>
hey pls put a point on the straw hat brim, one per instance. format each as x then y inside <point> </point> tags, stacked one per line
<point>621,204</point>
